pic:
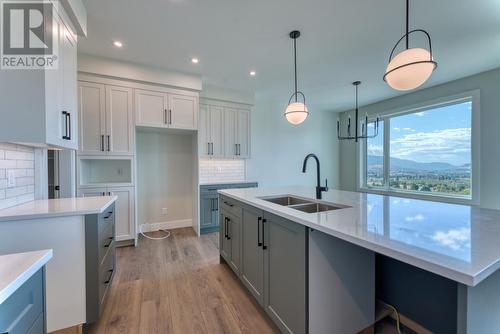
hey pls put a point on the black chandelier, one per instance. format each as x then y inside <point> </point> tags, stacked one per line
<point>364,126</point>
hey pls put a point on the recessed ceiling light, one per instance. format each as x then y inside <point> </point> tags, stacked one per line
<point>118,44</point>
<point>253,73</point>
<point>195,60</point>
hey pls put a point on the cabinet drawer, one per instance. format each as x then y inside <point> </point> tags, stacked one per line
<point>106,274</point>
<point>20,311</point>
<point>107,218</point>
<point>230,206</point>
<point>106,242</point>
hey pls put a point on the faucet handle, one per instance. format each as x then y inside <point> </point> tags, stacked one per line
<point>326,184</point>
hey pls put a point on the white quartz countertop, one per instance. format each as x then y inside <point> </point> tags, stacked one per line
<point>74,206</point>
<point>459,242</point>
<point>15,269</point>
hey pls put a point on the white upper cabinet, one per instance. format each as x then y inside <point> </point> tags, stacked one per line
<point>166,110</point>
<point>237,133</point>
<point>39,107</point>
<point>106,119</point>
<point>119,120</point>
<point>151,108</point>
<point>92,104</point>
<point>224,129</point>
<point>183,112</point>
<point>211,131</point>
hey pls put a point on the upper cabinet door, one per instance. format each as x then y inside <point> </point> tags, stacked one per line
<point>151,108</point>
<point>92,117</point>
<point>230,133</point>
<point>119,120</point>
<point>243,134</point>
<point>216,124</point>
<point>204,131</point>
<point>67,46</point>
<point>183,112</point>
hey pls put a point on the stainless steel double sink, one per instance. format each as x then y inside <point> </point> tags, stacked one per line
<point>303,204</point>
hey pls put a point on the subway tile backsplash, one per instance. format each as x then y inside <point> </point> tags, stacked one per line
<point>221,171</point>
<point>18,161</point>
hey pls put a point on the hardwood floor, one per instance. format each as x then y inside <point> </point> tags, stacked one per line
<point>178,286</point>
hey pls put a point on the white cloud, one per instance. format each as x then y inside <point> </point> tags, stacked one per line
<point>396,129</point>
<point>420,114</point>
<point>449,145</point>
<point>374,149</point>
<point>417,218</point>
<point>409,129</point>
<point>454,239</point>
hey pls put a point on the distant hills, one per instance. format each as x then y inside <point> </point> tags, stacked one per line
<point>404,164</point>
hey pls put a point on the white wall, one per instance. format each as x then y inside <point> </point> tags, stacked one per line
<point>489,85</point>
<point>165,168</point>
<point>279,148</point>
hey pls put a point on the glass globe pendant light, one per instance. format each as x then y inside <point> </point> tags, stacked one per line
<point>296,112</point>
<point>412,67</point>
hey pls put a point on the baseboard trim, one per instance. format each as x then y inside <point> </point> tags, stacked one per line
<point>166,225</point>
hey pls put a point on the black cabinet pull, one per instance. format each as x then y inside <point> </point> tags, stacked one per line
<point>110,242</point>
<point>102,143</point>
<point>110,275</point>
<point>228,236</point>
<point>225,227</point>
<point>69,125</point>
<point>103,193</point>
<point>259,219</point>
<point>65,114</point>
<point>263,234</point>
<point>170,116</point>
<point>228,204</point>
<point>109,141</point>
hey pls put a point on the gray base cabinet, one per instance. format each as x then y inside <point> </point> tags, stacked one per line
<point>100,260</point>
<point>252,253</point>
<point>285,273</point>
<point>24,311</point>
<point>209,204</point>
<point>272,265</point>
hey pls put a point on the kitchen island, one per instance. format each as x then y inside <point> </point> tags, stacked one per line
<point>453,246</point>
<point>68,227</point>
<point>22,292</point>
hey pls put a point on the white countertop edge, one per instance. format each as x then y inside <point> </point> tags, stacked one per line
<point>26,274</point>
<point>62,213</point>
<point>439,269</point>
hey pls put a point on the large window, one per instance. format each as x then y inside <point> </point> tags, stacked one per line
<point>426,151</point>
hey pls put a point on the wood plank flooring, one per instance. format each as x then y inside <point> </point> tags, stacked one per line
<point>175,286</point>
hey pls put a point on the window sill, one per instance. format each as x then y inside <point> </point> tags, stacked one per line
<point>428,197</point>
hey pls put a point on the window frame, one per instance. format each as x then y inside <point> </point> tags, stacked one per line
<point>361,155</point>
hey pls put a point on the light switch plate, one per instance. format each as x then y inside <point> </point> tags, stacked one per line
<point>164,211</point>
<point>11,178</point>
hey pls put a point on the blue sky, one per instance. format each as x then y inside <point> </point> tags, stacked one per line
<point>437,135</point>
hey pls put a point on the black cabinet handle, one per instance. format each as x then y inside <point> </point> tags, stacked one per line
<point>103,193</point>
<point>164,116</point>
<point>225,227</point>
<point>109,141</point>
<point>263,234</point>
<point>259,219</point>
<point>68,115</point>
<point>228,236</point>
<point>65,114</point>
<point>170,116</point>
<point>110,242</point>
<point>228,204</point>
<point>109,277</point>
<point>102,143</point>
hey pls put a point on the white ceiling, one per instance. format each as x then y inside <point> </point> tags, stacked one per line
<point>342,41</point>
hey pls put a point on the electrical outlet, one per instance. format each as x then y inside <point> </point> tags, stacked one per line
<point>11,178</point>
<point>164,211</point>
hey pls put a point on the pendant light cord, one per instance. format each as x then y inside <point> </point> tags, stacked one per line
<point>295,63</point>
<point>407,24</point>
